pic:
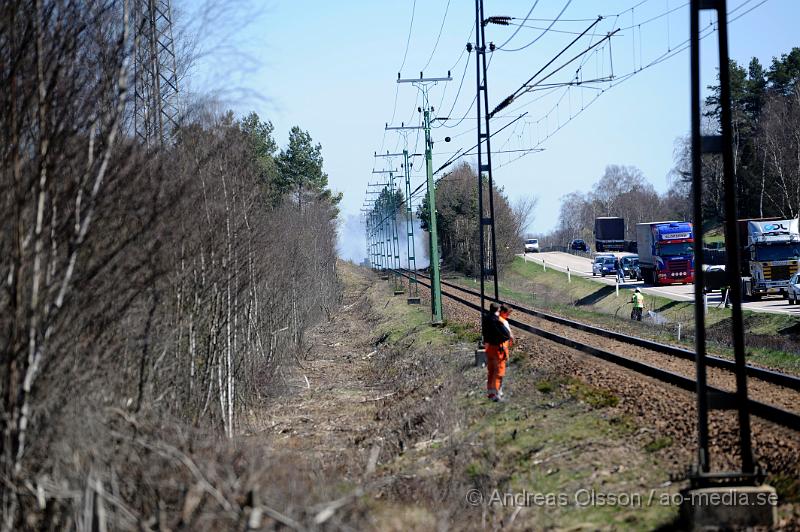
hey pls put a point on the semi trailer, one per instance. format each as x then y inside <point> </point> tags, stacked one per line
<point>609,234</point>
<point>666,252</point>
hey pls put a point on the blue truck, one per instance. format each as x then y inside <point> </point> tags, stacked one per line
<point>666,252</point>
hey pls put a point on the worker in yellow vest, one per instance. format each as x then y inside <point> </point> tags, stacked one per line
<point>637,300</point>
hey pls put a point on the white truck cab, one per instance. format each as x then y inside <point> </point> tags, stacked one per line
<point>772,256</point>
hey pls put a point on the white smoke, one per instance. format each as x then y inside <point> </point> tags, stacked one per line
<point>420,243</point>
<point>352,243</point>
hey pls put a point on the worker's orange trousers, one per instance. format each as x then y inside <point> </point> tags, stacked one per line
<point>495,367</point>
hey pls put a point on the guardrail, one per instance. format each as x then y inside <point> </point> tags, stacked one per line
<point>566,249</point>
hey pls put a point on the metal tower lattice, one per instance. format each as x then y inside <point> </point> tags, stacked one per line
<point>705,473</point>
<point>156,110</point>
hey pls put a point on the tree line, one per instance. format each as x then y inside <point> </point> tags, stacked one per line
<point>458,224</point>
<point>621,191</point>
<point>766,141</point>
<point>150,294</point>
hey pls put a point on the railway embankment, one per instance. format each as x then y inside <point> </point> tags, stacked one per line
<point>662,410</point>
<point>559,452</point>
<point>385,425</point>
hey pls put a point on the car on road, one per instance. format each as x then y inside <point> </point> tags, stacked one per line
<point>793,291</point>
<point>532,245</point>
<point>603,265</point>
<point>630,266</point>
<point>579,245</point>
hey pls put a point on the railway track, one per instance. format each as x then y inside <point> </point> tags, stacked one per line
<point>665,363</point>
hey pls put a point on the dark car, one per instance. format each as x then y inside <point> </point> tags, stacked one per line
<point>579,245</point>
<point>630,266</point>
<point>793,292</point>
<point>604,265</point>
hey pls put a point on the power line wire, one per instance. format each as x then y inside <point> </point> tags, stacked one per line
<point>517,30</point>
<point>444,18</point>
<point>458,93</point>
<point>541,34</point>
<point>408,39</point>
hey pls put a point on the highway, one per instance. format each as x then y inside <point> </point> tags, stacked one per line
<point>582,267</point>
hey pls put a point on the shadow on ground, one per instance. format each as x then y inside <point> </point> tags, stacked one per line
<point>595,296</point>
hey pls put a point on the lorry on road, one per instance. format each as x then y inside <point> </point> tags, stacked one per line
<point>666,252</point>
<point>609,234</point>
<point>770,251</point>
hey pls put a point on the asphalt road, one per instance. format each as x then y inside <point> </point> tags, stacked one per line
<point>582,266</point>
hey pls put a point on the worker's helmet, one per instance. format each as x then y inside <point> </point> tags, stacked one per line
<point>637,290</point>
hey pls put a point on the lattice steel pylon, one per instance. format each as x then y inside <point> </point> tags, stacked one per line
<point>488,245</point>
<point>155,106</point>
<point>704,472</point>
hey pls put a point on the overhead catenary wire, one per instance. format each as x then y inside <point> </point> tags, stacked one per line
<point>539,86</point>
<point>624,28</point>
<point>737,17</point>
<point>567,32</point>
<point>507,101</point>
<point>583,83</point>
<point>613,81</point>
<point>548,76</point>
<point>405,55</point>
<point>458,93</point>
<point>708,30</point>
<point>453,159</point>
<point>460,56</point>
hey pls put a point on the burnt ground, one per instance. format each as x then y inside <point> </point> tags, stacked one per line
<point>383,425</point>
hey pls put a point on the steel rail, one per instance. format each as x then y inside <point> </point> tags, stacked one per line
<point>765,411</point>
<point>767,375</point>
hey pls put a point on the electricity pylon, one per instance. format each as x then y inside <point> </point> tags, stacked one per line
<point>155,106</point>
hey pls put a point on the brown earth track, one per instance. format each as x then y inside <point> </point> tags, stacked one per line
<point>670,411</point>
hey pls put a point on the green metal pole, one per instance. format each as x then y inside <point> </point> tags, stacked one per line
<point>436,287</point>
<point>392,216</point>
<point>374,240</point>
<point>413,287</point>
<point>366,230</point>
<point>382,236</point>
<point>388,234</point>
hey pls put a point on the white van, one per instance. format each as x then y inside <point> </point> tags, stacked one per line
<point>532,245</point>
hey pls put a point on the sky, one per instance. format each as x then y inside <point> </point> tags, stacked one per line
<point>331,68</point>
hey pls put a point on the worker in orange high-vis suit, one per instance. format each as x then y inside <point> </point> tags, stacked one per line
<point>503,315</point>
<point>494,336</point>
